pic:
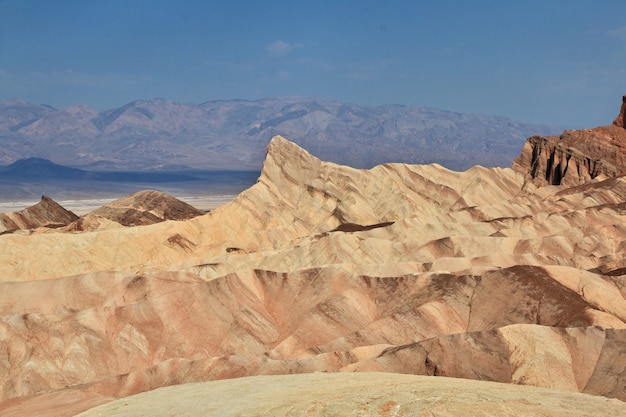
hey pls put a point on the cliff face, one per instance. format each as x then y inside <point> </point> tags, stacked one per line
<point>577,156</point>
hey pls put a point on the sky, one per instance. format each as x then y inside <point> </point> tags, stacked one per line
<point>556,62</point>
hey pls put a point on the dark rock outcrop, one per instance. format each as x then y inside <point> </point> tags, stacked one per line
<point>143,208</point>
<point>577,156</point>
<point>619,121</point>
<point>46,213</point>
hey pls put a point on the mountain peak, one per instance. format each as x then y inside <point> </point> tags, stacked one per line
<point>146,207</point>
<point>46,213</point>
<point>35,167</point>
<point>287,161</point>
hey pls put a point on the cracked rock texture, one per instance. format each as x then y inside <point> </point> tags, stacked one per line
<point>403,269</point>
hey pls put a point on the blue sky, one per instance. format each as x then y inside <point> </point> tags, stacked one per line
<point>560,62</point>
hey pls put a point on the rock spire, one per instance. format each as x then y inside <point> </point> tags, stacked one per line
<point>619,121</point>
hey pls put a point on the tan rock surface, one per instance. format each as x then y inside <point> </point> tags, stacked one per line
<point>368,394</point>
<point>320,267</point>
<point>442,219</point>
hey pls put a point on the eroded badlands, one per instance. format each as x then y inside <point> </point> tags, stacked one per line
<point>319,267</point>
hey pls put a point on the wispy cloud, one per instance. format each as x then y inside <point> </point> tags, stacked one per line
<point>619,33</point>
<point>281,48</point>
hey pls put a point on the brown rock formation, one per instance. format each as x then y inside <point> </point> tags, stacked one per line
<point>619,121</point>
<point>46,213</point>
<point>320,267</point>
<point>577,156</point>
<point>141,208</point>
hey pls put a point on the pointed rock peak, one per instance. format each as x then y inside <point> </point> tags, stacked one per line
<point>46,213</point>
<point>47,201</point>
<point>281,146</point>
<point>286,159</point>
<point>152,199</point>
<point>619,121</point>
<point>146,207</point>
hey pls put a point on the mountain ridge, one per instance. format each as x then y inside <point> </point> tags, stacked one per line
<point>233,134</point>
<point>43,169</point>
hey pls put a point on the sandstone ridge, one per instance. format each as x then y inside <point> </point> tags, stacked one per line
<point>577,156</point>
<point>46,213</point>
<point>321,267</point>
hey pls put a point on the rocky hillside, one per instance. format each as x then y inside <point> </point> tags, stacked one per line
<point>233,134</point>
<point>321,267</point>
<point>140,208</point>
<point>46,213</point>
<point>576,156</point>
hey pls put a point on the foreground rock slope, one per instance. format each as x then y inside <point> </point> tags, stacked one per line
<point>320,267</point>
<point>356,395</point>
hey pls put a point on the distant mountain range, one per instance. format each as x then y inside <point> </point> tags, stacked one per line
<point>232,134</point>
<point>42,169</point>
